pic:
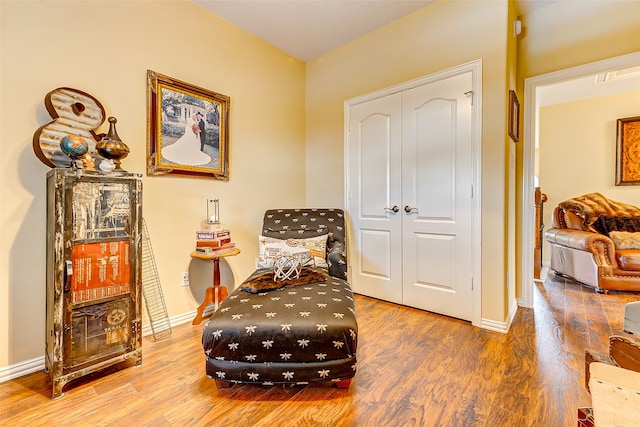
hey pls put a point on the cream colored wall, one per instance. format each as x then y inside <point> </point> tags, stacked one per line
<point>578,151</point>
<point>105,49</point>
<point>565,34</point>
<point>440,36</point>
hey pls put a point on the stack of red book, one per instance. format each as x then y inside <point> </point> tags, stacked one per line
<point>214,241</point>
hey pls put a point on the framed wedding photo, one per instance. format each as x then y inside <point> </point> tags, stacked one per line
<point>628,151</point>
<point>514,116</point>
<point>187,129</point>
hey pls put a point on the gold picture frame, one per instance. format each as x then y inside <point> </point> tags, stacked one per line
<point>187,129</point>
<point>628,151</point>
<point>514,116</point>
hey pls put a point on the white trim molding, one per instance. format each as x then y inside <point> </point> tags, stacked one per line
<point>37,364</point>
<point>22,368</point>
<point>492,325</point>
<point>502,327</point>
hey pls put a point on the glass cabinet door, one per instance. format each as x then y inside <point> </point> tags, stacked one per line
<point>99,289</point>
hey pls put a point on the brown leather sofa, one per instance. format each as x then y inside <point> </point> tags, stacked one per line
<point>581,246</point>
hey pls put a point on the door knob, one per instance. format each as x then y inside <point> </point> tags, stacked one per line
<point>408,209</point>
<point>395,208</point>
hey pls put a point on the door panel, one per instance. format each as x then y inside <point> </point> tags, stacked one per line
<point>374,153</point>
<point>377,261</point>
<point>437,179</point>
<point>375,144</point>
<point>437,251</point>
<point>433,146</point>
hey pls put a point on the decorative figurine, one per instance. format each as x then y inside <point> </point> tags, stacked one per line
<point>88,162</point>
<point>75,147</point>
<point>111,146</point>
<point>107,165</point>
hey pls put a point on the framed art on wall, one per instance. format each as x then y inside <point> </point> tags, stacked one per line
<point>628,151</point>
<point>187,129</point>
<point>514,116</point>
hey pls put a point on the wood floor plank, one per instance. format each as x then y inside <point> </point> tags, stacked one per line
<point>414,369</point>
<point>599,326</point>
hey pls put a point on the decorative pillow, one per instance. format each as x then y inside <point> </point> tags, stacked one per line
<point>262,280</point>
<point>625,239</point>
<point>271,247</point>
<point>606,224</point>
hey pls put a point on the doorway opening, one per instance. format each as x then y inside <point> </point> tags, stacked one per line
<point>535,91</point>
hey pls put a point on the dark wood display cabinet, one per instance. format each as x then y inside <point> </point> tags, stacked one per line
<point>94,275</point>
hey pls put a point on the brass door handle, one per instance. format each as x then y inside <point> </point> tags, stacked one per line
<point>408,209</point>
<point>395,208</point>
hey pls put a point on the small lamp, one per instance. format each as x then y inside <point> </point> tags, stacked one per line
<point>212,223</point>
<point>213,211</point>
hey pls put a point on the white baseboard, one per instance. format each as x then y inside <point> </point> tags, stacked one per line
<point>543,274</point>
<point>492,325</point>
<point>37,364</point>
<point>23,368</point>
<point>502,327</point>
<point>512,313</point>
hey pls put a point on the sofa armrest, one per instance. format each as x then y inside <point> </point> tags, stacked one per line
<point>337,261</point>
<point>601,246</point>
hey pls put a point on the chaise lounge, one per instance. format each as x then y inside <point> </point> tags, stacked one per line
<point>296,331</point>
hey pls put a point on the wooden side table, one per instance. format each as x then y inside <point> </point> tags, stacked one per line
<point>216,293</point>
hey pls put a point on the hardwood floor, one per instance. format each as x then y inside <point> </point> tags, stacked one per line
<point>414,369</point>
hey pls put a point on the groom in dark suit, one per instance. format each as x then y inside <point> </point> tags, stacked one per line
<point>203,132</point>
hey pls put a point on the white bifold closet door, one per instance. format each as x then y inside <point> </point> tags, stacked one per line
<point>410,196</point>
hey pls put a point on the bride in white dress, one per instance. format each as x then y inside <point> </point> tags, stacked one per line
<point>186,150</point>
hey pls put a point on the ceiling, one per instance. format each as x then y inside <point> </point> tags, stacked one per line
<point>306,29</point>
